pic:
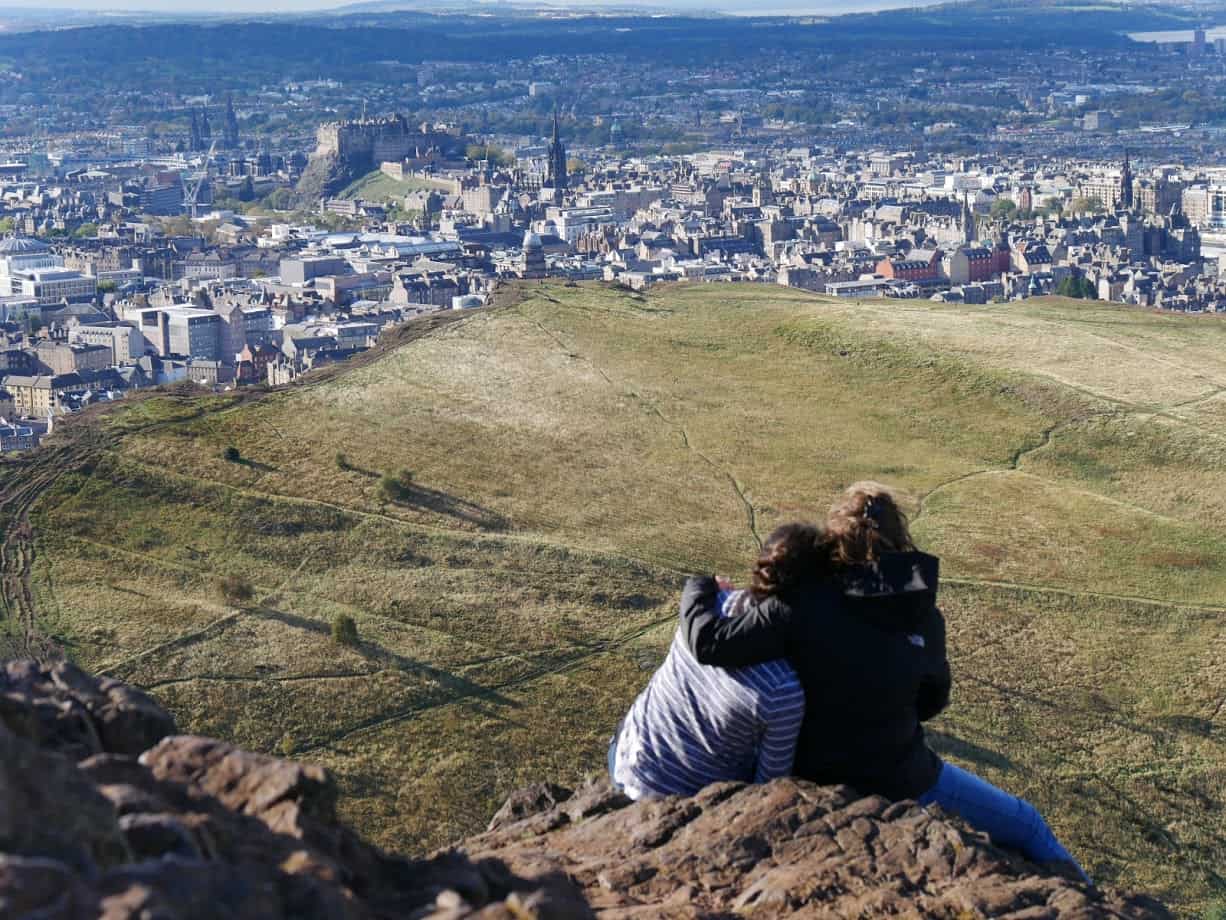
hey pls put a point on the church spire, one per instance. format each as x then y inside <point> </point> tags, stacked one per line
<point>230,124</point>
<point>556,177</point>
<point>968,222</point>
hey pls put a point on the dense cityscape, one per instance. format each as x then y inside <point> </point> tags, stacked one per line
<point>574,459</point>
<point>244,233</point>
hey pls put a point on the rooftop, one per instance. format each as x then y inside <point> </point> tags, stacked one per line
<point>22,245</point>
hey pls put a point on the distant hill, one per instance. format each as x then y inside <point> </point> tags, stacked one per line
<point>505,504</point>
<point>210,56</point>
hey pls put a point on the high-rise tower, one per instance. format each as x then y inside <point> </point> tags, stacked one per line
<point>1126,184</point>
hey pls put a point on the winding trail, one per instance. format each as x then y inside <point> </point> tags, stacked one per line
<point>1046,439</point>
<point>1098,595</point>
<point>173,644</point>
<point>82,440</point>
<point>23,487</point>
<point>1209,397</point>
<point>1015,460</point>
<point>207,631</point>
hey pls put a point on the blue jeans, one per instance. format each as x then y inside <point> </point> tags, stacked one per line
<point>613,760</point>
<point>1008,820</point>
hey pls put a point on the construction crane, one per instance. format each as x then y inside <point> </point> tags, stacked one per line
<point>191,200</point>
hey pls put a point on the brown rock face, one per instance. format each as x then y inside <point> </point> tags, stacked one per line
<point>788,848</point>
<point>104,812</point>
<point>194,828</point>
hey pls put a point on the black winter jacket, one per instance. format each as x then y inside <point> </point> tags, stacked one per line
<point>870,652</point>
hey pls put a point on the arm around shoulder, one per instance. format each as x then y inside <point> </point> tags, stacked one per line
<point>757,633</point>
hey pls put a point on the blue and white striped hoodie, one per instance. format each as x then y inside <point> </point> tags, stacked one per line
<point>695,725</point>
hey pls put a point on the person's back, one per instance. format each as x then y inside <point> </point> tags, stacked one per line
<point>869,646</point>
<point>694,725</point>
<point>874,668</point>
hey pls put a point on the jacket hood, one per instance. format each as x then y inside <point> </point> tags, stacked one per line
<point>892,575</point>
<point>896,592</point>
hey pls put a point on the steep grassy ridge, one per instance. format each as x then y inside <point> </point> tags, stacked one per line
<point>573,455</point>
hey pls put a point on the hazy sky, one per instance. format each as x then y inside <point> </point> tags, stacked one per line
<point>260,6</point>
<point>171,6</point>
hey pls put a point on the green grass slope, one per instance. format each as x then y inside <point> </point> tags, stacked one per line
<point>378,186</point>
<point>572,455</point>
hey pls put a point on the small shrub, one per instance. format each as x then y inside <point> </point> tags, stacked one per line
<point>231,454</point>
<point>395,486</point>
<point>344,630</point>
<point>342,463</point>
<point>236,590</point>
<point>389,487</point>
<point>287,745</point>
<point>145,536</point>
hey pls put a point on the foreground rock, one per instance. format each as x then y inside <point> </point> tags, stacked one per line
<point>783,849</point>
<point>105,812</point>
<point>194,828</point>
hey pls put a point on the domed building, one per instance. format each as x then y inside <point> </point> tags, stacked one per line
<point>20,254</point>
<point>29,269</point>
<point>532,264</point>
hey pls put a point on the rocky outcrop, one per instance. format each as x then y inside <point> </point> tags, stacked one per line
<point>324,176</point>
<point>784,849</point>
<point>105,812</point>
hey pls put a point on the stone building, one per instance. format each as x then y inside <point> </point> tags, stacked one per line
<point>38,397</point>
<point>64,358</point>
<point>123,340</point>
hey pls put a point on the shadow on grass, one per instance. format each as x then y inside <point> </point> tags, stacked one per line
<point>1103,709</point>
<point>455,686</point>
<point>965,750</point>
<point>1152,818</point>
<point>1192,725</point>
<point>348,466</point>
<point>413,495</point>
<point>256,465</point>
<point>122,590</point>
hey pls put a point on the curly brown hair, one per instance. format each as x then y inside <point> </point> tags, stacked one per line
<point>794,555</point>
<point>866,522</point>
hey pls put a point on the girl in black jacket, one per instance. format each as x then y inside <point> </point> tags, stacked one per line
<point>869,646</point>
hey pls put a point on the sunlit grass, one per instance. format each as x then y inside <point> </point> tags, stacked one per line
<point>568,458</point>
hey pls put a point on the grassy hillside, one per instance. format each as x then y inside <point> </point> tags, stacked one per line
<point>378,186</point>
<point>573,455</point>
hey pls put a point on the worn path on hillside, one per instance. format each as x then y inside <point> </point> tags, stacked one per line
<point>80,442</point>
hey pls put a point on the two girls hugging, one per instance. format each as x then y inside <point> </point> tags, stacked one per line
<point>825,668</point>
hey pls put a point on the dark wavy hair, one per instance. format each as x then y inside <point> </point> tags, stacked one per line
<point>794,556</point>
